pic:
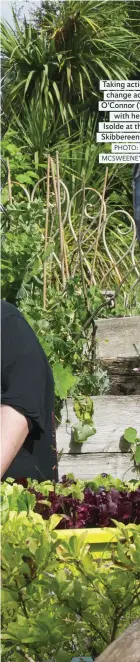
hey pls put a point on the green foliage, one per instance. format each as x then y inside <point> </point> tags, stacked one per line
<point>82,432</point>
<point>47,64</point>
<point>127,557</point>
<point>64,380</point>
<point>83,407</point>
<point>107,481</point>
<point>130,435</point>
<point>61,84</point>
<point>22,249</point>
<point>57,596</point>
<point>80,406</point>
<point>72,166</point>
<point>127,303</point>
<point>20,162</point>
<point>15,498</point>
<point>60,330</point>
<point>52,63</point>
<point>78,159</point>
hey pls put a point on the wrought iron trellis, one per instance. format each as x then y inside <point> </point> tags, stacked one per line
<point>83,226</point>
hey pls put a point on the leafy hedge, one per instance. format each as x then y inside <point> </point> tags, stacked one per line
<point>58,600</point>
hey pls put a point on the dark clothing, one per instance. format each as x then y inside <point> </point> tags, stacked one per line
<point>27,386</point>
<point>136,197</point>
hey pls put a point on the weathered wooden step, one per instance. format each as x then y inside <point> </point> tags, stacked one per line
<point>101,452</point>
<point>86,466</point>
<point>125,648</point>
<point>118,348</point>
<point>118,337</point>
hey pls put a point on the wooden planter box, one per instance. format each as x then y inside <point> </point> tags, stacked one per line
<point>99,539</point>
<point>102,451</point>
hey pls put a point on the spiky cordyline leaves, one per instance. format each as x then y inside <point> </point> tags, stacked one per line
<point>54,63</point>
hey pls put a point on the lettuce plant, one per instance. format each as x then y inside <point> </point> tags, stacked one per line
<point>81,504</point>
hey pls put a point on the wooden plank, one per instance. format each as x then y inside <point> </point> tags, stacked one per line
<point>123,376</point>
<point>112,415</point>
<point>126,647</point>
<point>91,464</point>
<point>118,350</point>
<point>117,337</point>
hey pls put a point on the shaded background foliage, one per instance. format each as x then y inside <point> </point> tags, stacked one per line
<point>51,69</point>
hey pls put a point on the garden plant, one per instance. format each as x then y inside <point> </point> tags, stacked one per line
<point>58,599</point>
<point>69,256</point>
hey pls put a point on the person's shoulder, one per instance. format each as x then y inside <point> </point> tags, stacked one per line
<point>9,310</point>
<point>15,327</point>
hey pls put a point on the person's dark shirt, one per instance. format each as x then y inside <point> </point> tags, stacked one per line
<point>27,386</point>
